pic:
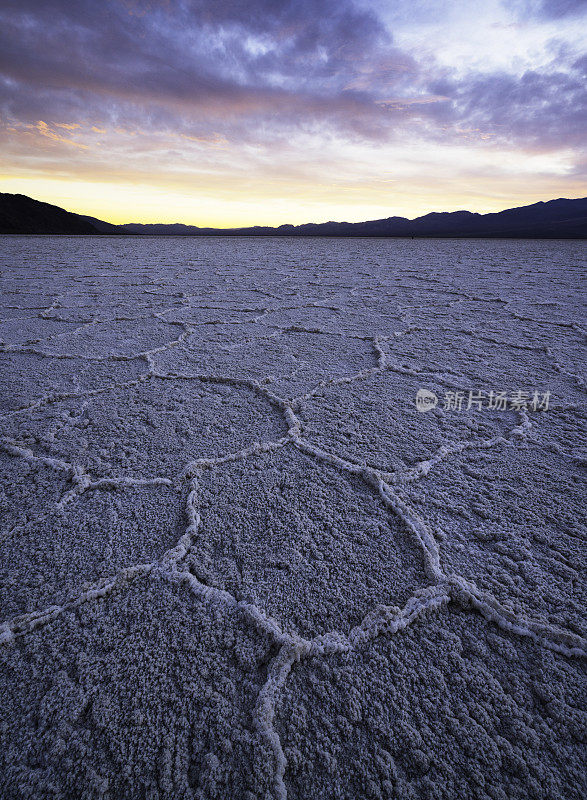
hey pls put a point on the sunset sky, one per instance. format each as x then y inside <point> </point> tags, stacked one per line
<point>230,113</point>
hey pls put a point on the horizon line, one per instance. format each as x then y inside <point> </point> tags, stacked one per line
<point>296,225</point>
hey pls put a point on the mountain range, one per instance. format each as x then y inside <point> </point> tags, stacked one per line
<point>555,219</point>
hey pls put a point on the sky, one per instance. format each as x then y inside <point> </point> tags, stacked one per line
<point>226,113</point>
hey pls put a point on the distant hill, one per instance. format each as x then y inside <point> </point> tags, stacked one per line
<point>22,214</point>
<point>555,219</point>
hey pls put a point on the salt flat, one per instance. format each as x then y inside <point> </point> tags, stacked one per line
<point>237,561</point>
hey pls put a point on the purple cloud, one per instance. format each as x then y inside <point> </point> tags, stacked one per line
<point>556,9</point>
<point>544,109</point>
<point>248,70</point>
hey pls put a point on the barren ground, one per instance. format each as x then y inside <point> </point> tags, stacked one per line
<point>237,562</point>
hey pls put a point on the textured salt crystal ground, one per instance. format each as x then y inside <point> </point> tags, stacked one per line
<point>236,561</point>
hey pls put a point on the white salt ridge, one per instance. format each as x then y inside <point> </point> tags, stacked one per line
<point>79,477</point>
<point>422,468</point>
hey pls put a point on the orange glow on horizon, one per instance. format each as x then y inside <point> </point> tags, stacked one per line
<point>120,203</point>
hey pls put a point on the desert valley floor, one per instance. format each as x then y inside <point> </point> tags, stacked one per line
<point>237,562</point>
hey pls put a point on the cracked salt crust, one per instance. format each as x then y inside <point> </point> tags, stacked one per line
<point>169,647</point>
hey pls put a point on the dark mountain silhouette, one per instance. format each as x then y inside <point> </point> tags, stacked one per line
<point>555,219</point>
<point>100,226</point>
<point>22,214</point>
